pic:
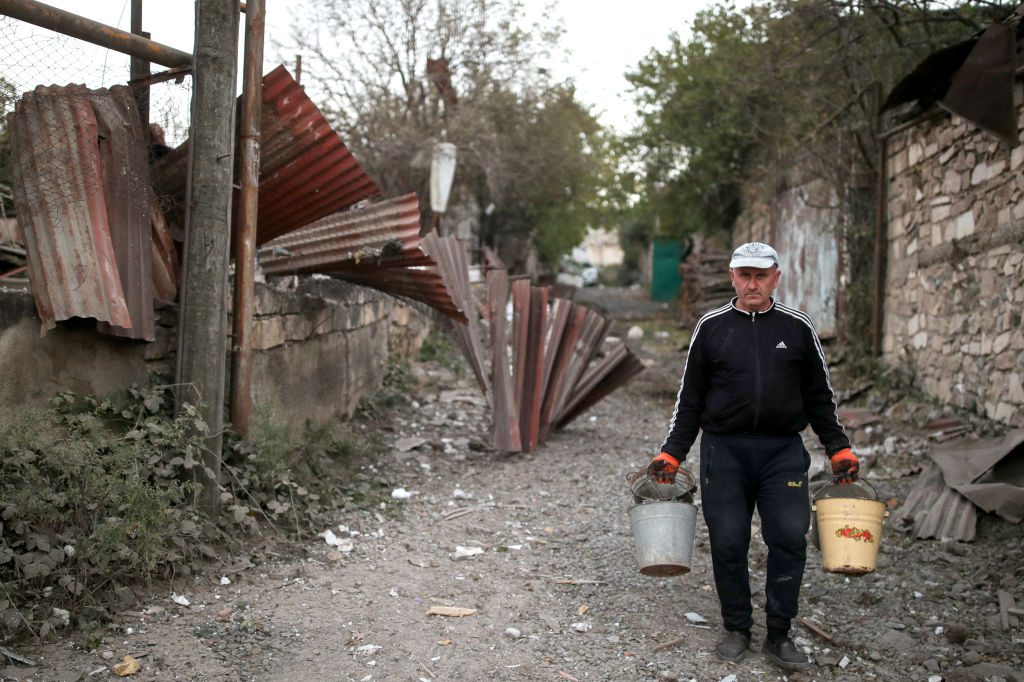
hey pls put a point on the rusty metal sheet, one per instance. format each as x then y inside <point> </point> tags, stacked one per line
<point>506,412</point>
<point>165,265</point>
<point>126,188</point>
<point>594,328</point>
<point>377,246</point>
<point>603,377</point>
<point>561,353</point>
<point>306,171</point>
<point>58,188</point>
<point>934,510</point>
<point>384,234</point>
<point>453,265</point>
<point>533,366</point>
<point>558,318</point>
<point>418,284</point>
<point>492,261</point>
<point>520,328</point>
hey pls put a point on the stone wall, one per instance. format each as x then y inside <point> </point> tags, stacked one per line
<point>955,266</point>
<point>320,347</point>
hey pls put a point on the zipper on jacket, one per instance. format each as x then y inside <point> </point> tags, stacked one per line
<point>757,374</point>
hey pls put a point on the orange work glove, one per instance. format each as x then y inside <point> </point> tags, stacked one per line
<point>663,468</point>
<point>845,465</point>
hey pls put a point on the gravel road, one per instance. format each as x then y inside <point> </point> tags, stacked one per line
<point>539,549</point>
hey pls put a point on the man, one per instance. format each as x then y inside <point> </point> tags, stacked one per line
<point>755,376</point>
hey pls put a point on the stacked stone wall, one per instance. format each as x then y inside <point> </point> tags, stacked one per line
<point>954,290</point>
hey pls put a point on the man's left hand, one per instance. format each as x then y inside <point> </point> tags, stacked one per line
<point>845,466</point>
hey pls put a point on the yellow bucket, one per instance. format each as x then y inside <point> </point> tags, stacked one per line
<point>849,532</point>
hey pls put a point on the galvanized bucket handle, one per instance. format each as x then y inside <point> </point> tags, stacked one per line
<point>836,479</point>
<point>639,478</point>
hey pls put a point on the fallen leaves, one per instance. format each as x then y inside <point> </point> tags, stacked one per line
<point>127,666</point>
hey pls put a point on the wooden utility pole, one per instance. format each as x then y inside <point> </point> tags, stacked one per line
<point>202,337</point>
<point>245,234</point>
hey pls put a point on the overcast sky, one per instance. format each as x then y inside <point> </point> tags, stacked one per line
<point>603,41</point>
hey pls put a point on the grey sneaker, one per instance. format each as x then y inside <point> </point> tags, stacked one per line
<point>734,647</point>
<point>785,654</point>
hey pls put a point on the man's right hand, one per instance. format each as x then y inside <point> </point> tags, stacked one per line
<point>663,468</point>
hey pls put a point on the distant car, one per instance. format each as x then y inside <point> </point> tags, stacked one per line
<point>577,274</point>
<point>589,274</point>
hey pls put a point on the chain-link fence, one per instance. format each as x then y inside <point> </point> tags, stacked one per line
<point>63,74</point>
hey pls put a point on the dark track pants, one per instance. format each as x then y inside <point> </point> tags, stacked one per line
<point>737,472</point>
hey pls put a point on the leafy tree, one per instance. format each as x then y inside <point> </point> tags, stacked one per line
<point>754,87</point>
<point>529,154</point>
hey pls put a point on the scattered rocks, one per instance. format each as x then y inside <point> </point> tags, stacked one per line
<point>894,640</point>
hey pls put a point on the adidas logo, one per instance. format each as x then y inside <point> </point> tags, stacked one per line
<point>782,344</point>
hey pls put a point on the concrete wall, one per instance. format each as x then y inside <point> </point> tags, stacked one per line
<point>72,357</point>
<point>954,294</point>
<point>320,347</point>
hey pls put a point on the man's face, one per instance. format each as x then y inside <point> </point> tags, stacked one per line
<point>754,287</point>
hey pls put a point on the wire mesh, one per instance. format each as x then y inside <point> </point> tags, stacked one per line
<point>33,57</point>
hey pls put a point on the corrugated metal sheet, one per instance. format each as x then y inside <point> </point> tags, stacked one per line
<point>385,234</point>
<point>603,377</point>
<point>58,188</point>
<point>453,265</point>
<point>934,510</point>
<point>567,321</point>
<point>554,377</point>
<point>506,412</point>
<point>529,322</point>
<point>306,171</point>
<point>126,189</point>
<point>376,246</point>
<point>166,267</point>
<point>423,284</point>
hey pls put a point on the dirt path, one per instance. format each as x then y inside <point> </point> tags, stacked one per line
<point>555,591</point>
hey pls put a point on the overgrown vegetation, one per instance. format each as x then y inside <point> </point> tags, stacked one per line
<point>753,88</point>
<point>96,497</point>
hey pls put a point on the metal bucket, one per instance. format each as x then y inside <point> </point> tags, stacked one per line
<point>664,522</point>
<point>849,529</point>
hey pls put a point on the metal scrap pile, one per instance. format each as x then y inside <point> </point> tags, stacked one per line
<point>986,473</point>
<point>556,369</point>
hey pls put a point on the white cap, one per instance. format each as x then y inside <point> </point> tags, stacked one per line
<point>754,255</point>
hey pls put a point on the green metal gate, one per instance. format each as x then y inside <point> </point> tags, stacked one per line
<point>665,279</point>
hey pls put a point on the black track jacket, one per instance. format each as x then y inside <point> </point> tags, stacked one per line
<point>754,373</point>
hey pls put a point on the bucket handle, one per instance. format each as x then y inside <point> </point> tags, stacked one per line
<point>835,479</point>
<point>635,478</point>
